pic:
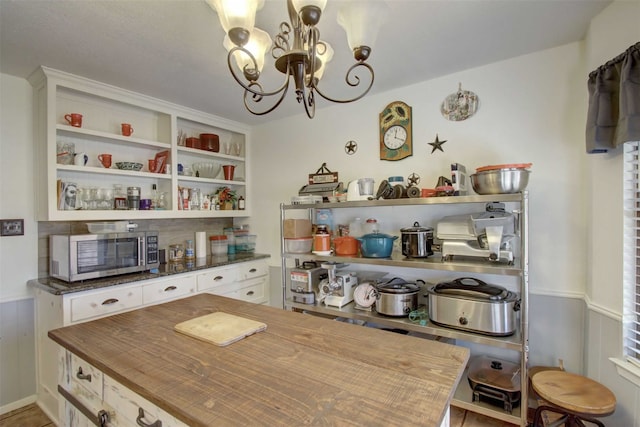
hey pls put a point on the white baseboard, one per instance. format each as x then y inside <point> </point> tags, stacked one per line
<point>17,404</point>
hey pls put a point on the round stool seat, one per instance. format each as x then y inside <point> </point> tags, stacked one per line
<point>574,393</point>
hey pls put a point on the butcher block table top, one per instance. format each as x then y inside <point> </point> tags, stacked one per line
<point>301,370</point>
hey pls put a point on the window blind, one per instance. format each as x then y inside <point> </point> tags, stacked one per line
<point>631,262</point>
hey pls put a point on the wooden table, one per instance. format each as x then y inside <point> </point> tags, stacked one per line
<point>302,370</point>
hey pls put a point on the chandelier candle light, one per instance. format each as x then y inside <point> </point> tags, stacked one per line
<point>298,51</point>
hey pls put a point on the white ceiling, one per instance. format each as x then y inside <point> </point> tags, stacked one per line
<point>172,49</point>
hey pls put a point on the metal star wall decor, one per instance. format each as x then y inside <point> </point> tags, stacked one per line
<point>351,147</point>
<point>413,179</point>
<point>437,144</point>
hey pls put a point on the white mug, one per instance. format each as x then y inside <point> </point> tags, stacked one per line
<point>80,159</point>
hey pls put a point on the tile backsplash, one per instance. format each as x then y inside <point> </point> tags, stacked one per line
<point>171,231</point>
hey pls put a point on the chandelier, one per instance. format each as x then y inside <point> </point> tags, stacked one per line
<point>298,52</point>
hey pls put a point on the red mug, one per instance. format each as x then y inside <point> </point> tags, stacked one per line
<point>127,130</point>
<point>105,159</point>
<point>74,119</point>
<point>152,165</point>
<point>228,172</point>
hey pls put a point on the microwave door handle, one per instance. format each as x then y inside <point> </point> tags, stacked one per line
<point>141,250</point>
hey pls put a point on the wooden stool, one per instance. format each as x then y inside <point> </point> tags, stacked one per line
<point>575,397</point>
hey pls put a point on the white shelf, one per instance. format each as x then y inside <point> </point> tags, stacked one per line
<point>156,124</point>
<point>110,137</point>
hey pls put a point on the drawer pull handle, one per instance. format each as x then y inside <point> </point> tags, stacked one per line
<point>110,301</point>
<point>170,288</point>
<point>82,376</point>
<point>141,423</point>
<point>101,419</point>
<point>218,278</point>
<point>253,270</point>
<point>250,293</point>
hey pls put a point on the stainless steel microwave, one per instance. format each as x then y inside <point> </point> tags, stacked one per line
<point>88,256</point>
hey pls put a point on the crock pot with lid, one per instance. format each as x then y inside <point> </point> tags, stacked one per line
<point>417,241</point>
<point>397,297</point>
<point>473,305</point>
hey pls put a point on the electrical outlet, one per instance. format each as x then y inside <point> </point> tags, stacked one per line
<point>12,227</point>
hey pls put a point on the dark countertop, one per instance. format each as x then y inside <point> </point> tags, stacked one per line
<point>60,287</point>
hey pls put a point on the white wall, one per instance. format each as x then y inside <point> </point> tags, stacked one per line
<point>531,110</point>
<point>614,30</point>
<point>18,254</point>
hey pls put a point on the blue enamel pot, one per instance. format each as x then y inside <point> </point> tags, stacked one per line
<point>376,245</point>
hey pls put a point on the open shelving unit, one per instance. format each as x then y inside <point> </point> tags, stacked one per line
<point>518,272</point>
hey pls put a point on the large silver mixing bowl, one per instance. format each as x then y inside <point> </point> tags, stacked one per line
<point>500,181</point>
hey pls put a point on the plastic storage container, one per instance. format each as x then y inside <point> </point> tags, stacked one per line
<point>219,245</point>
<point>298,246</point>
<point>245,242</point>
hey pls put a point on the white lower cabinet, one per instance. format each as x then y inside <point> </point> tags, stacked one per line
<point>247,281</point>
<point>121,407</point>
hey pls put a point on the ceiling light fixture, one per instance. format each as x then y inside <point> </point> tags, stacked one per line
<point>298,51</point>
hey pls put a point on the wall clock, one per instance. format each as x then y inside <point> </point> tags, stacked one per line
<point>396,140</point>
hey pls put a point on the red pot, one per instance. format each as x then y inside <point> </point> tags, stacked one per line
<point>346,245</point>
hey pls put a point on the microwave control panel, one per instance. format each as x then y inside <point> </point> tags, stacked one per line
<point>152,249</point>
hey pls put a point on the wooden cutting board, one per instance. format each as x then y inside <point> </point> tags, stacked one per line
<point>220,328</point>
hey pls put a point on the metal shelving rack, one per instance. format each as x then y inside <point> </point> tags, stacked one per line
<point>518,342</point>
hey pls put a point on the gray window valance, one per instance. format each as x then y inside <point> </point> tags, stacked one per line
<point>614,102</point>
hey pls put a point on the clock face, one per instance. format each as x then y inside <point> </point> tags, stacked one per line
<point>395,132</point>
<point>395,137</point>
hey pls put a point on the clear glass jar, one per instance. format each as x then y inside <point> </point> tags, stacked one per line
<point>231,240</point>
<point>120,198</point>
<point>189,251</point>
<point>176,253</point>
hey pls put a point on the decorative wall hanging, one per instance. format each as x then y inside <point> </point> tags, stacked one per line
<point>437,144</point>
<point>351,147</point>
<point>460,105</point>
<point>396,140</point>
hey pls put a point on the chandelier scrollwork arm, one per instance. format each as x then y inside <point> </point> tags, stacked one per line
<point>352,79</point>
<point>252,97</point>
<point>251,74</point>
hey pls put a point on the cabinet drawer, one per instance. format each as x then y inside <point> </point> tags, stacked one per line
<point>217,277</point>
<point>86,376</point>
<point>253,291</point>
<point>168,289</point>
<point>103,303</point>
<point>127,405</point>
<point>250,270</point>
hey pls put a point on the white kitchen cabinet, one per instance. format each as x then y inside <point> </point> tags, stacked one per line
<point>157,125</point>
<point>246,281</point>
<point>122,406</point>
<point>402,213</point>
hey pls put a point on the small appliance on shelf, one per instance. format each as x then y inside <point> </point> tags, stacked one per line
<point>484,235</point>
<point>337,289</point>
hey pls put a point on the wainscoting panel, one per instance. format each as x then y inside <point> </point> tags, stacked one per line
<point>17,351</point>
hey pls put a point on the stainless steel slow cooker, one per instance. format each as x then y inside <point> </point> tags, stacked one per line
<point>417,241</point>
<point>473,305</point>
<point>396,297</point>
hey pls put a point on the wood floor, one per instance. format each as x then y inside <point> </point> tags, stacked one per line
<point>32,416</point>
<point>27,416</point>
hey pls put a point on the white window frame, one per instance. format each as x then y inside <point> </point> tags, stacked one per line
<point>629,367</point>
